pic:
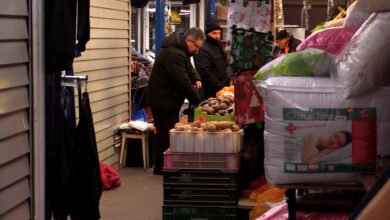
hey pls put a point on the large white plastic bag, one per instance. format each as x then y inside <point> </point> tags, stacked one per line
<point>363,66</point>
<point>308,93</point>
<point>374,5</point>
<point>357,14</point>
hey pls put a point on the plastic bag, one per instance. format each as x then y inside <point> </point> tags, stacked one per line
<point>357,14</point>
<point>110,177</point>
<point>308,62</point>
<point>374,5</point>
<point>332,40</point>
<point>281,213</point>
<point>363,65</point>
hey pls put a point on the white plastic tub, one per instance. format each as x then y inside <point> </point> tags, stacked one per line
<point>206,142</point>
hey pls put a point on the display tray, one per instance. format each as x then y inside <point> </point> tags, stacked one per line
<point>200,177</point>
<point>224,162</point>
<point>186,212</point>
<point>199,116</point>
<point>213,195</point>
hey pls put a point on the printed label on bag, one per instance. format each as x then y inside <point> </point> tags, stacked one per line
<point>326,140</point>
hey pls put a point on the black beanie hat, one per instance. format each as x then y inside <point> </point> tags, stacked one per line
<point>282,34</point>
<point>211,25</point>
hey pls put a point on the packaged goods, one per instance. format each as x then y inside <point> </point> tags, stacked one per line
<point>305,116</point>
<point>308,62</point>
<point>331,40</point>
<point>363,65</point>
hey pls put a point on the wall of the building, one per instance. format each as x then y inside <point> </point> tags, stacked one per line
<point>15,153</point>
<point>106,62</point>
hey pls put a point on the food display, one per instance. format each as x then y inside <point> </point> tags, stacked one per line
<point>214,136</point>
<point>215,109</point>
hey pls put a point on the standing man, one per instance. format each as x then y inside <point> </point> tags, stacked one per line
<point>173,79</point>
<point>211,62</point>
<point>285,43</point>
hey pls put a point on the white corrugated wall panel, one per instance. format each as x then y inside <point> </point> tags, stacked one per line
<point>106,62</point>
<point>15,156</point>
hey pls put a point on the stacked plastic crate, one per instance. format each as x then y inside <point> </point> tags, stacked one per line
<point>201,175</point>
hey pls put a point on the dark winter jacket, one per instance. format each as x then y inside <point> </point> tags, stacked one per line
<point>61,32</point>
<point>292,44</point>
<point>173,77</point>
<point>210,62</point>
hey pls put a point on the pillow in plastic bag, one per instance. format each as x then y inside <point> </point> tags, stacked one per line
<point>308,62</point>
<point>374,5</point>
<point>357,14</point>
<point>340,154</point>
<point>332,40</point>
<point>363,66</point>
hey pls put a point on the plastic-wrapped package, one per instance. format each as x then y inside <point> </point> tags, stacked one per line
<point>281,213</point>
<point>335,23</point>
<point>374,5</point>
<point>332,40</point>
<point>363,65</point>
<point>304,116</point>
<point>357,14</point>
<point>308,62</point>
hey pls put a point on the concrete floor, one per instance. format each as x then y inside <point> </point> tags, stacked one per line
<point>139,197</point>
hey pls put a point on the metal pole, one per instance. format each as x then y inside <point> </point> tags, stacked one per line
<point>37,87</point>
<point>160,6</point>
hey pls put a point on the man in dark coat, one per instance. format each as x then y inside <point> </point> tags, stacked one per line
<point>211,62</point>
<point>173,79</point>
<point>285,43</point>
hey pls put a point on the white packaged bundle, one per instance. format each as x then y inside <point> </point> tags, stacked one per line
<point>313,135</point>
<point>363,65</point>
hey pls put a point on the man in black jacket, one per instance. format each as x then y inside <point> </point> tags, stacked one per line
<point>211,62</point>
<point>285,43</point>
<point>173,79</point>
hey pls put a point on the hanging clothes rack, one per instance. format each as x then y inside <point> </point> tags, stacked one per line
<point>66,82</point>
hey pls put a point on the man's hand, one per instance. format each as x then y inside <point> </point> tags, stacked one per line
<point>198,84</point>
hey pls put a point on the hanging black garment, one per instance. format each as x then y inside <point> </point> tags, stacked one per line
<point>61,17</point>
<point>83,25</point>
<point>86,179</point>
<point>60,128</point>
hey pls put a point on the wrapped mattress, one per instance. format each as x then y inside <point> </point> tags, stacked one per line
<point>314,135</point>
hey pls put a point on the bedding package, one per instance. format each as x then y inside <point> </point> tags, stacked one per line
<point>312,134</point>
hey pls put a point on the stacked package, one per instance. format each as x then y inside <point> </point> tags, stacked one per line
<point>329,128</point>
<point>314,135</point>
<point>201,171</point>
